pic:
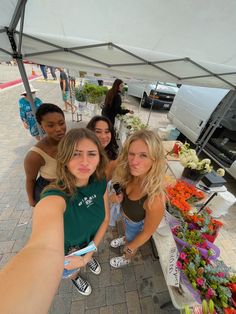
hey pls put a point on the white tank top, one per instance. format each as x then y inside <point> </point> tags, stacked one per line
<point>48,171</point>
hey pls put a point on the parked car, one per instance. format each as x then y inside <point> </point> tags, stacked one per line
<point>161,97</point>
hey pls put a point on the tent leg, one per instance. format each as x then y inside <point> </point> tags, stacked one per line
<point>19,14</point>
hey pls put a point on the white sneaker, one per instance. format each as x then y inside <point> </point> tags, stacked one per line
<point>94,266</point>
<point>117,242</point>
<point>119,261</point>
<point>82,285</point>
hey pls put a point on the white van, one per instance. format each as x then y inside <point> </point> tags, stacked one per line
<point>193,112</point>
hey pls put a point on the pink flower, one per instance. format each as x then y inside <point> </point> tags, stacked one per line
<point>200,281</point>
<point>179,265</point>
<point>220,274</point>
<point>182,255</point>
<point>210,293</point>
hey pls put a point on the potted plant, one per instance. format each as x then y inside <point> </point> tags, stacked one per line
<point>95,96</point>
<point>80,98</point>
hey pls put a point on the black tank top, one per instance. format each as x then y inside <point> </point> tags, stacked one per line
<point>134,209</point>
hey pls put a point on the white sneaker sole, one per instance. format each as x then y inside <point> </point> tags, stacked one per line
<point>119,261</point>
<point>117,242</point>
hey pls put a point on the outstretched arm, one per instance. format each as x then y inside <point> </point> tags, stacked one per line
<point>29,281</point>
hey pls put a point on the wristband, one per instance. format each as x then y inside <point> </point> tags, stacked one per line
<point>129,250</point>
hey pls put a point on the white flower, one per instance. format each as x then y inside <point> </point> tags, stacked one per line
<point>208,168</point>
<point>206,161</point>
<point>192,165</point>
<point>220,172</point>
<point>192,152</point>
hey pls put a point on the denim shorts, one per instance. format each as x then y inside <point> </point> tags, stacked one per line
<point>132,228</point>
<point>39,186</point>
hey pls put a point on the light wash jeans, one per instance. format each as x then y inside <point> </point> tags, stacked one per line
<point>132,228</point>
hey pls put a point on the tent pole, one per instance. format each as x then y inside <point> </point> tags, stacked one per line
<point>19,14</point>
<point>152,104</point>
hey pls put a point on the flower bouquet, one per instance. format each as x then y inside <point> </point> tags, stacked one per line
<point>184,236</point>
<point>181,196</point>
<point>195,168</point>
<point>203,221</point>
<point>205,280</point>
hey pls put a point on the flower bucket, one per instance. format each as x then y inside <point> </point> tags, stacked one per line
<point>204,252</point>
<point>192,174</point>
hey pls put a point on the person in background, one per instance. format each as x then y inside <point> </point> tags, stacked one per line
<point>65,89</point>
<point>26,112</point>
<point>140,174</point>
<point>105,132</point>
<point>43,69</point>
<point>41,159</point>
<point>112,106</point>
<point>53,72</point>
<point>72,82</point>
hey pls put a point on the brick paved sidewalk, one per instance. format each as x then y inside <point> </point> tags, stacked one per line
<point>138,288</point>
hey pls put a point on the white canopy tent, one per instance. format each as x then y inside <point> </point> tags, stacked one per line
<point>183,41</point>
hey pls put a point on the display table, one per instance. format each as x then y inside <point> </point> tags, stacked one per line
<point>164,243</point>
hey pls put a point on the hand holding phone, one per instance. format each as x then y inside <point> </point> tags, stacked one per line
<point>117,188</point>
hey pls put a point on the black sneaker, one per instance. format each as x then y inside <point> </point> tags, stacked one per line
<point>94,266</point>
<point>82,285</point>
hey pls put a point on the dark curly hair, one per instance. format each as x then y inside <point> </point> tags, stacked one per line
<point>112,148</point>
<point>46,108</point>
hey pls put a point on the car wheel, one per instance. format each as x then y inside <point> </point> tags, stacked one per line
<point>144,101</point>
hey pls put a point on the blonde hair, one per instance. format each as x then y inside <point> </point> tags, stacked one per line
<point>153,183</point>
<point>65,180</point>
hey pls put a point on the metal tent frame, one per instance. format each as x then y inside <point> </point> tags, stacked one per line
<point>138,61</point>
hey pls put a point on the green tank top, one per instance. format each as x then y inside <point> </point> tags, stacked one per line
<point>84,213</point>
<point>134,209</point>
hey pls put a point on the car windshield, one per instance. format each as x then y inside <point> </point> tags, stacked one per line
<point>167,84</point>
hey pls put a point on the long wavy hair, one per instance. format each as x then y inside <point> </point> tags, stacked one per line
<point>112,148</point>
<point>65,180</point>
<point>112,92</point>
<point>153,183</point>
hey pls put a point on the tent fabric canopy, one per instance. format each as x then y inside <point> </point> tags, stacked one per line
<point>183,41</point>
